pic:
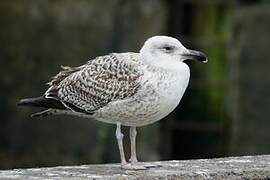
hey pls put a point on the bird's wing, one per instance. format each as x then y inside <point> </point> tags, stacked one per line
<point>100,81</point>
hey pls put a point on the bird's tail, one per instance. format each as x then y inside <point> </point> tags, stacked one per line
<point>47,112</point>
<point>53,107</point>
<point>41,102</point>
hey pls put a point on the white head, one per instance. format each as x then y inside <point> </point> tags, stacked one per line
<point>164,51</point>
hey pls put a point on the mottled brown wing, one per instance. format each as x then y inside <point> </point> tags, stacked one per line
<point>100,81</point>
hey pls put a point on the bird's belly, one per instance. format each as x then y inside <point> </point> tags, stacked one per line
<point>152,103</point>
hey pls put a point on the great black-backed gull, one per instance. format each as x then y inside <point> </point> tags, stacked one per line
<point>129,89</point>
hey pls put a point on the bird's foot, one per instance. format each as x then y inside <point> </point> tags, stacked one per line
<point>130,166</point>
<point>133,160</point>
<point>139,166</point>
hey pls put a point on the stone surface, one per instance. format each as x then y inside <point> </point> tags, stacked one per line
<point>246,167</point>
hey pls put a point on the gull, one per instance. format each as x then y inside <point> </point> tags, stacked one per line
<point>125,89</point>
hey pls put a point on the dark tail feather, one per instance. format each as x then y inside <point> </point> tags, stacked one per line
<point>41,102</point>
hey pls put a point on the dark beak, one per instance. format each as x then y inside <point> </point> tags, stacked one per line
<point>195,55</point>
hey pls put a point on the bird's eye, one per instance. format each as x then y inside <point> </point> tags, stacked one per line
<point>168,48</point>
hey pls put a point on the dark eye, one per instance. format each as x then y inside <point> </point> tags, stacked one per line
<point>168,48</point>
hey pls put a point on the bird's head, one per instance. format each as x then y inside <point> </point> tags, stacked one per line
<point>166,51</point>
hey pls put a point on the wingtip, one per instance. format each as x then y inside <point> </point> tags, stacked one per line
<point>21,102</point>
<point>35,115</point>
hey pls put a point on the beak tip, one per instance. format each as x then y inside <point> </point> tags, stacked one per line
<point>196,55</point>
<point>205,61</point>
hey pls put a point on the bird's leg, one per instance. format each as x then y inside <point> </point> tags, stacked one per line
<point>119,137</point>
<point>124,164</point>
<point>133,134</point>
<point>133,157</point>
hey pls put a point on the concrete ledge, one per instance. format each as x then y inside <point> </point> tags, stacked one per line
<point>246,167</point>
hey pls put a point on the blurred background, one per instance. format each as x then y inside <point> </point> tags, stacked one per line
<point>225,110</point>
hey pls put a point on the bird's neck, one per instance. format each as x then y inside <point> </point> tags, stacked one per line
<point>168,68</point>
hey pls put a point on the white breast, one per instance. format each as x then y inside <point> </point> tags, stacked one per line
<point>171,87</point>
<point>159,95</point>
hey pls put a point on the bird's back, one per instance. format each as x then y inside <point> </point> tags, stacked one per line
<point>100,81</point>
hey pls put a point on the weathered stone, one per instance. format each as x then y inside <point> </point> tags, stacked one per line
<point>246,167</point>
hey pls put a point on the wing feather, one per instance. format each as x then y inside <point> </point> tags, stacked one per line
<point>100,81</point>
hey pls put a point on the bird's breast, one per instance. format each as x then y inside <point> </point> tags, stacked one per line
<point>170,87</point>
<point>160,93</point>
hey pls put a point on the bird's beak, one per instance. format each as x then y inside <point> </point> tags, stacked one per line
<point>195,55</point>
